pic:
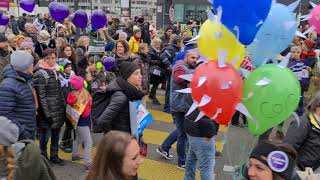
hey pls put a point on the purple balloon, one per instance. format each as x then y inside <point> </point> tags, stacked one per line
<point>80,19</point>
<point>4,20</point>
<point>98,19</point>
<point>28,5</point>
<point>109,63</point>
<point>59,12</point>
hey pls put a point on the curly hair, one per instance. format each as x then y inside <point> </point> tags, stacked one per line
<point>7,153</point>
<point>73,58</point>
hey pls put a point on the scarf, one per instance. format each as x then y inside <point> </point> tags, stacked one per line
<point>44,65</point>
<point>307,55</point>
<point>129,90</point>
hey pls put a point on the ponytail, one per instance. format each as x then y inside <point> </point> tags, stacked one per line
<point>7,153</point>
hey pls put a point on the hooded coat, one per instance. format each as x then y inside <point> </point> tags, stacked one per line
<point>50,96</point>
<point>17,102</point>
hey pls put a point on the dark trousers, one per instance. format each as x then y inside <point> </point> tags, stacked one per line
<point>155,81</point>
<point>167,98</point>
<point>67,135</point>
<point>54,147</point>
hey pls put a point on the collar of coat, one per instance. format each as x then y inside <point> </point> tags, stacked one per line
<point>314,121</point>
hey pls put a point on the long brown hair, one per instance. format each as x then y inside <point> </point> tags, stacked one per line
<point>314,103</point>
<point>108,162</point>
<point>124,44</point>
<point>73,58</point>
<point>7,154</point>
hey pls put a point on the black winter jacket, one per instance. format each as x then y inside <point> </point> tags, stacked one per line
<point>116,115</point>
<point>17,103</point>
<point>52,105</point>
<point>205,127</point>
<point>305,139</point>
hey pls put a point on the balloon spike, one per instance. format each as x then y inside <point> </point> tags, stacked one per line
<point>192,108</point>
<point>235,60</point>
<point>264,81</point>
<point>219,111</point>
<point>250,94</point>
<point>204,100</point>
<point>211,2</point>
<point>312,4</point>
<point>210,15</point>
<point>219,14</point>
<point>312,28</point>
<point>284,63</point>
<point>187,77</point>
<point>236,28</point>
<point>222,58</point>
<point>226,85</point>
<point>259,23</point>
<point>200,115</point>
<point>305,17</point>
<point>300,34</point>
<point>202,80</point>
<point>294,5</point>
<point>195,38</point>
<point>241,108</point>
<point>186,91</point>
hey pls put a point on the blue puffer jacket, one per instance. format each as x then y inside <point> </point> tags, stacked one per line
<point>17,103</point>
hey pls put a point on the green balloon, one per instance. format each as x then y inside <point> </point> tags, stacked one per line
<point>271,93</point>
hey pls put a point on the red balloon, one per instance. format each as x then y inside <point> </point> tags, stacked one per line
<point>217,90</point>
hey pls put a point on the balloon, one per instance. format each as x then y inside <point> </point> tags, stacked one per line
<point>109,63</point>
<point>28,5</point>
<point>271,94</point>
<point>4,20</point>
<point>247,15</point>
<point>314,20</point>
<point>216,90</point>
<point>275,35</point>
<point>98,19</point>
<point>80,19</point>
<point>59,12</point>
<point>214,37</point>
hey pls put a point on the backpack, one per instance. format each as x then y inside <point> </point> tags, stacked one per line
<point>100,102</point>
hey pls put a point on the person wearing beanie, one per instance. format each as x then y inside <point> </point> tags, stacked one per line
<point>51,112</point>
<point>17,100</point>
<point>20,160</point>
<point>126,87</point>
<point>80,100</point>
<point>42,43</point>
<point>134,41</point>
<point>271,161</point>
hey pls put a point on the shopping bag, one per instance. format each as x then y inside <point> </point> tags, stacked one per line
<point>308,174</point>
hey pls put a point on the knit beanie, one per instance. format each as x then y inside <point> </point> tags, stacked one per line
<point>309,43</point>
<point>9,132</point>
<point>278,161</point>
<point>77,82</point>
<point>127,68</point>
<point>21,60</point>
<point>136,30</point>
<point>43,36</point>
<point>3,38</point>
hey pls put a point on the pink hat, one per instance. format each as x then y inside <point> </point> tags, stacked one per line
<point>77,82</point>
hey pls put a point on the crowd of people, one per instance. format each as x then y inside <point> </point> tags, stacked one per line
<point>47,71</point>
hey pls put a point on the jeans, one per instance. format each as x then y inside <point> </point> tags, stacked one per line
<point>83,135</point>
<point>54,147</point>
<point>171,139</point>
<point>181,138</point>
<point>201,151</point>
<point>167,94</point>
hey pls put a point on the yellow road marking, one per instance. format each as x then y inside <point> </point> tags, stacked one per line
<point>160,98</point>
<point>161,116</point>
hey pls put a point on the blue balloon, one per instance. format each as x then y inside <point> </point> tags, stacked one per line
<point>247,15</point>
<point>275,35</point>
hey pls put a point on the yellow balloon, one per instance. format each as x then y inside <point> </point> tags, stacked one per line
<point>215,37</point>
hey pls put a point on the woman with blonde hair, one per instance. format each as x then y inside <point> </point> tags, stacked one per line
<point>117,158</point>
<point>20,160</point>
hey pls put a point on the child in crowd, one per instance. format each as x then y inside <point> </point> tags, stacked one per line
<point>97,77</point>
<point>80,100</point>
<point>65,75</point>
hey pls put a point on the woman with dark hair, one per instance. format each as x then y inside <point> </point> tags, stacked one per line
<point>117,158</point>
<point>121,52</point>
<point>304,136</point>
<point>272,161</point>
<point>67,52</point>
<point>81,51</point>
